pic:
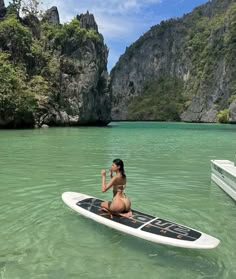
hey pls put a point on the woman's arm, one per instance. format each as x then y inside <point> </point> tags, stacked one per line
<point>107,186</point>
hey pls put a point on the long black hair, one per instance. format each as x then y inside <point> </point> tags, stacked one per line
<point>120,164</point>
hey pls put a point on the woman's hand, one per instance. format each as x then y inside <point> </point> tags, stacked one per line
<point>103,172</point>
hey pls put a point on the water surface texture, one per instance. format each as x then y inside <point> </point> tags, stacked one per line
<point>168,175</point>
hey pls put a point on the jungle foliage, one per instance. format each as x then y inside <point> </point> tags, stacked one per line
<point>30,61</point>
<point>162,100</point>
<point>207,42</point>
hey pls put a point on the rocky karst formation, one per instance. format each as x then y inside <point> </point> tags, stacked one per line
<point>197,49</point>
<point>232,112</point>
<point>87,21</point>
<point>68,62</point>
<point>52,16</point>
<point>2,9</point>
<point>83,78</point>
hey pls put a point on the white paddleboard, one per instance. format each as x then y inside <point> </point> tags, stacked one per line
<point>141,225</point>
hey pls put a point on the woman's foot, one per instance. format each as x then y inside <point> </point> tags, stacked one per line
<point>106,212</point>
<point>127,214</point>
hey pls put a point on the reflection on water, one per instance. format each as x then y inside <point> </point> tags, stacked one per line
<point>168,175</point>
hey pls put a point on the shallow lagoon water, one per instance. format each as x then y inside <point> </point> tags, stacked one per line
<point>168,175</point>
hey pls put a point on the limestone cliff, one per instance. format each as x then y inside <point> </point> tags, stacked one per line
<point>52,73</point>
<point>52,16</point>
<point>81,79</point>
<point>198,50</point>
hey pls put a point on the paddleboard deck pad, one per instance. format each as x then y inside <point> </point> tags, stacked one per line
<point>140,224</point>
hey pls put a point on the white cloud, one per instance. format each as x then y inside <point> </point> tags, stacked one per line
<point>119,21</point>
<point>108,6</point>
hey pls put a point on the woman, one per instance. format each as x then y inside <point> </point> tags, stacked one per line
<point>120,204</point>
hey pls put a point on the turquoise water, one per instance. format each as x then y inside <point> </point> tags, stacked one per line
<point>168,171</point>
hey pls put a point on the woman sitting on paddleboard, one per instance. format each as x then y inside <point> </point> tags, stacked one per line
<point>120,203</point>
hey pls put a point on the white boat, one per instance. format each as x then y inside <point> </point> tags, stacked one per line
<point>223,173</point>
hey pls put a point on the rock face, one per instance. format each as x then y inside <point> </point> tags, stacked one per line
<point>66,69</point>
<point>2,9</point>
<point>87,21</point>
<point>168,49</point>
<point>232,112</point>
<point>52,16</point>
<point>33,23</point>
<point>83,95</point>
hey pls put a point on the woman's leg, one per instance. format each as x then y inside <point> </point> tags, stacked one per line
<point>118,207</point>
<point>106,204</point>
<point>106,207</point>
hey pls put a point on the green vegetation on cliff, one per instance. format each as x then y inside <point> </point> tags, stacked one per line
<point>200,50</point>
<point>17,101</point>
<point>223,116</point>
<point>162,100</point>
<point>15,39</point>
<point>207,43</point>
<point>67,37</point>
<point>31,55</point>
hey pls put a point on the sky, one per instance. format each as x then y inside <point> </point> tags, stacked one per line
<point>122,22</point>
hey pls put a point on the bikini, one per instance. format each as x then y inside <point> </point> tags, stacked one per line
<point>121,189</point>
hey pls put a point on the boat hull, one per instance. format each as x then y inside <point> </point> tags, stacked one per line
<point>223,173</point>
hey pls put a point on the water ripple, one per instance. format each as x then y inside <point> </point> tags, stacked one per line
<point>168,175</point>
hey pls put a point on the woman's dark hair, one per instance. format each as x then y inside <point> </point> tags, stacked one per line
<point>120,164</point>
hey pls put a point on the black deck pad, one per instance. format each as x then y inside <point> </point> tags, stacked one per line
<point>170,229</point>
<point>138,219</point>
<point>155,225</point>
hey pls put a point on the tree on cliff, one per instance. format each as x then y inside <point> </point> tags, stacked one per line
<point>15,38</point>
<point>40,69</point>
<point>31,7</point>
<point>26,7</point>
<point>14,7</point>
<point>17,101</point>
